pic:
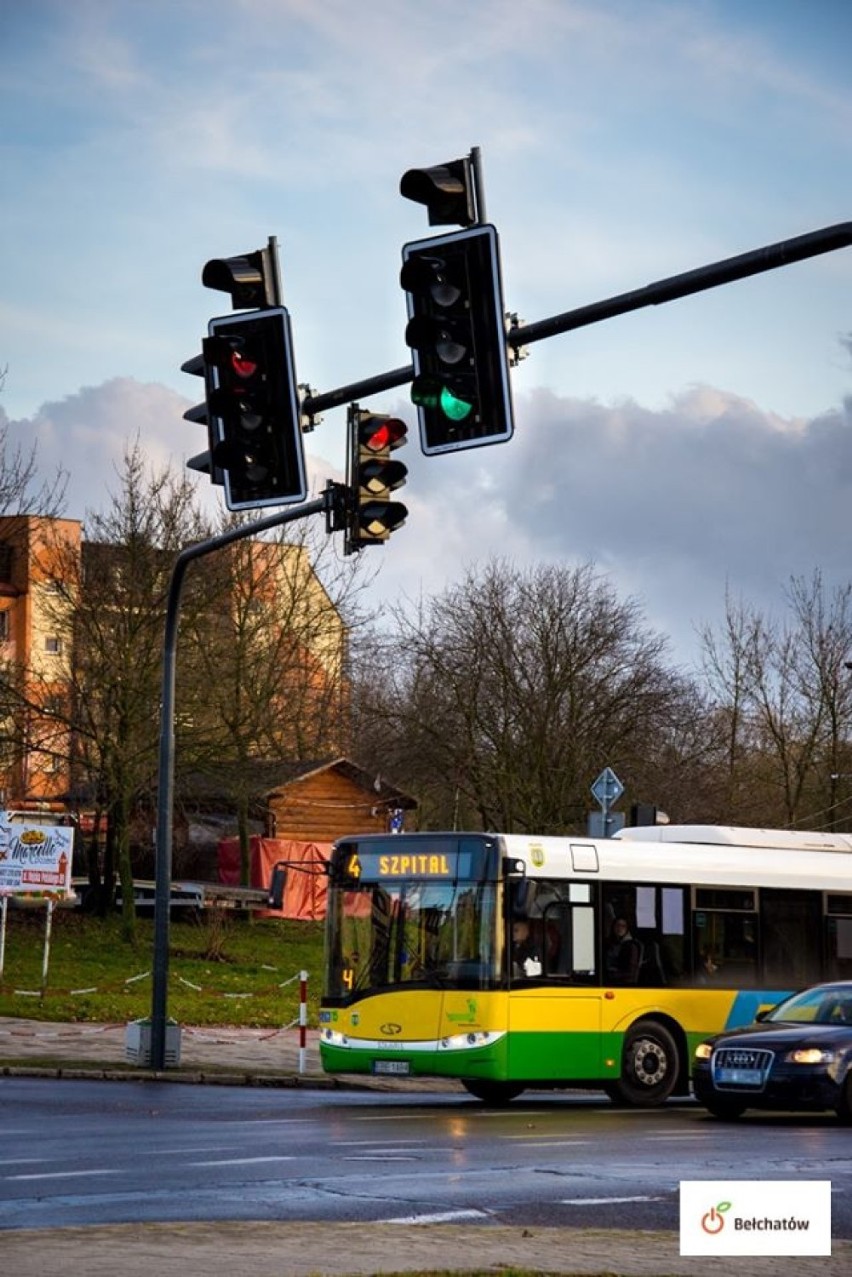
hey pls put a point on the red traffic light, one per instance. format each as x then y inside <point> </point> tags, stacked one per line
<point>378,433</point>
<point>243,365</point>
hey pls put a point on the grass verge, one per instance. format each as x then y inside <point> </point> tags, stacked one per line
<point>224,968</point>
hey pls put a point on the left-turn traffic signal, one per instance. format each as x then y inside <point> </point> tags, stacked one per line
<point>373,476</point>
<point>253,409</point>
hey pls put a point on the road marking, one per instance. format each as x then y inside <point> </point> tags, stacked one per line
<point>606,1201</point>
<point>267,1121</point>
<point>543,1136</point>
<point>370,1143</point>
<point>378,1156</point>
<point>65,1174</point>
<point>679,1135</point>
<point>441,1217</point>
<point>548,1143</point>
<point>243,1161</point>
<point>394,1117</point>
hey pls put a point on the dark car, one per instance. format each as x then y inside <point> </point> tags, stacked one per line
<point>798,1056</point>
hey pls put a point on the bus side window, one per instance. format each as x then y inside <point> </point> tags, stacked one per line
<point>651,973</point>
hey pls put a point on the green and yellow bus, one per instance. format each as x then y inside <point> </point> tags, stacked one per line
<point>715,923</point>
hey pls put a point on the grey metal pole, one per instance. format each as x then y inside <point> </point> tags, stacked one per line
<point>165,788</point>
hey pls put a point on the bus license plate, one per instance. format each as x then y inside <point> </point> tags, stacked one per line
<point>739,1077</point>
<point>400,1068</point>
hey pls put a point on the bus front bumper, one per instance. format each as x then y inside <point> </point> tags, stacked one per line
<point>477,1054</point>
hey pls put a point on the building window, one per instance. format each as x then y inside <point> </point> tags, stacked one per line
<point>53,644</point>
<point>5,629</point>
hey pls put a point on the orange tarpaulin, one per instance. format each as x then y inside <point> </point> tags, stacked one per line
<point>306,886</point>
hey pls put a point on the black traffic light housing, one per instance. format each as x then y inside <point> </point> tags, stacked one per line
<point>373,475</point>
<point>203,461</point>
<point>253,409</point>
<point>252,280</point>
<point>457,333</point>
<point>447,190</point>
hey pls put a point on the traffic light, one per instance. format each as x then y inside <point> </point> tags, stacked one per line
<point>373,476</point>
<point>457,334</point>
<point>253,409</point>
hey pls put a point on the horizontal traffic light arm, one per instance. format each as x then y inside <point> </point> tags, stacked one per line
<point>699,280</point>
<point>783,253</point>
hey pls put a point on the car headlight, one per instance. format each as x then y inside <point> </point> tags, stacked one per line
<point>703,1051</point>
<point>810,1055</point>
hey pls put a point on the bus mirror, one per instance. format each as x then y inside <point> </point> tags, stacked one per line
<point>275,898</point>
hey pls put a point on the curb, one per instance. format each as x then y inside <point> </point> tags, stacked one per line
<point>201,1077</point>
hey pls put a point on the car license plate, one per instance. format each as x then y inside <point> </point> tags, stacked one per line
<point>739,1077</point>
<point>400,1068</point>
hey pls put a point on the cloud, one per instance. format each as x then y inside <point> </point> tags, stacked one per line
<point>89,432</point>
<point>677,504</point>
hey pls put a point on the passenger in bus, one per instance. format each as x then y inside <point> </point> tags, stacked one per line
<point>708,965</point>
<point>526,954</point>
<point>622,955</point>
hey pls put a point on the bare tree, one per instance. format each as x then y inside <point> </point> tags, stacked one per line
<point>499,700</point>
<point>105,603</point>
<point>729,659</point>
<point>787,696</point>
<point>823,663</point>
<point>22,490</point>
<point>270,650</point>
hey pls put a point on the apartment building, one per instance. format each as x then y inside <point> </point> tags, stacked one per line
<point>45,564</point>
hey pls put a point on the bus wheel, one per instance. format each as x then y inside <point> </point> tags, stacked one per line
<point>649,1066</point>
<point>492,1092</point>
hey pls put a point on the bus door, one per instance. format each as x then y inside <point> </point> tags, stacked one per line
<point>555,1002</point>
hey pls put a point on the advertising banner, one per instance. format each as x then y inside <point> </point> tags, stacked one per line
<point>35,858</point>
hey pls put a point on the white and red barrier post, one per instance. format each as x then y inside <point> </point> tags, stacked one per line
<point>303,1019</point>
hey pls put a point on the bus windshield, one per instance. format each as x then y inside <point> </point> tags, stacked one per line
<point>395,920</point>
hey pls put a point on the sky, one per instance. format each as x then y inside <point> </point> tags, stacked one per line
<point>689,450</point>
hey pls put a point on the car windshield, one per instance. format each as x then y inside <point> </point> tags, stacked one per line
<point>821,1005</point>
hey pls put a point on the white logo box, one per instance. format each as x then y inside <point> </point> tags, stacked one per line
<point>755,1217</point>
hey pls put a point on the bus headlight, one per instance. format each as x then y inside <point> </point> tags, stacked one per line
<point>466,1041</point>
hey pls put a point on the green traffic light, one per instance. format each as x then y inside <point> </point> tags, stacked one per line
<point>426,392</point>
<point>453,406</point>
